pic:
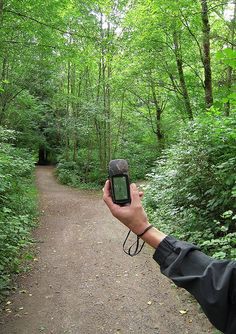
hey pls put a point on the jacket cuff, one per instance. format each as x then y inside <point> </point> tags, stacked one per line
<point>170,249</point>
<point>165,250</point>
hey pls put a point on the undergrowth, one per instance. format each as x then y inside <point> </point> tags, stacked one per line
<point>18,206</point>
<point>192,189</point>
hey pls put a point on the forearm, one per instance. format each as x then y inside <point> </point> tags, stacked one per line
<point>153,237</point>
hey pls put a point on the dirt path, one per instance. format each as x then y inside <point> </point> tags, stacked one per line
<point>83,283</point>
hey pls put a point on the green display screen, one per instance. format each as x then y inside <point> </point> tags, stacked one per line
<point>120,188</point>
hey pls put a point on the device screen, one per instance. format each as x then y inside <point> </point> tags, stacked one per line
<point>120,188</point>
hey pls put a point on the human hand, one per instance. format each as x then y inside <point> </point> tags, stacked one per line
<point>133,215</point>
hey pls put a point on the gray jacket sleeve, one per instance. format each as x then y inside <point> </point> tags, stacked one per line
<point>212,282</point>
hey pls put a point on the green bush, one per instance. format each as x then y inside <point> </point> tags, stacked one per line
<point>74,174</point>
<point>193,186</point>
<point>87,173</point>
<point>17,204</point>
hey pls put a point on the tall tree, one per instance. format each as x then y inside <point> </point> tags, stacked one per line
<point>206,53</point>
<point>1,10</point>
<point>232,45</point>
<point>179,62</point>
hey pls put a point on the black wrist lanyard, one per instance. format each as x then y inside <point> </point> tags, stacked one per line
<point>138,248</point>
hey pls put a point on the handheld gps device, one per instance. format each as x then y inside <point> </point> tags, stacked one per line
<point>119,179</point>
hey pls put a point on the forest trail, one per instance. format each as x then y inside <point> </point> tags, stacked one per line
<point>83,283</point>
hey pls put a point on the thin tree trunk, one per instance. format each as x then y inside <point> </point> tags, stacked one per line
<point>120,123</point>
<point>3,98</point>
<point>229,79</point>
<point>74,112</point>
<point>97,123</point>
<point>159,133</point>
<point>206,54</point>
<point>101,94</point>
<point>104,121</point>
<point>89,156</point>
<point>1,11</point>
<point>179,62</point>
<point>108,98</point>
<point>67,140</point>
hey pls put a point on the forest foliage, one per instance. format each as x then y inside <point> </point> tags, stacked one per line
<point>83,82</point>
<point>17,204</point>
<point>192,190</point>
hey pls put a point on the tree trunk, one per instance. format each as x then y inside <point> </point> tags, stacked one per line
<point>179,62</point>
<point>97,122</point>
<point>3,98</point>
<point>67,137</point>
<point>75,148</point>
<point>104,121</point>
<point>120,124</point>
<point>108,104</point>
<point>101,124</point>
<point>206,54</point>
<point>229,79</point>
<point>1,11</point>
<point>74,112</point>
<point>158,109</point>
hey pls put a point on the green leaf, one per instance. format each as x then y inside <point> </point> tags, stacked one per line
<point>227,214</point>
<point>6,210</point>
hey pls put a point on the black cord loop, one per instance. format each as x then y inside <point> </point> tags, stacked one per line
<point>138,248</point>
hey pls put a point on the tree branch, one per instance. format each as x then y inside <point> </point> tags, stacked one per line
<point>14,96</point>
<point>196,73</point>
<point>185,23</point>
<point>30,44</point>
<point>45,24</point>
